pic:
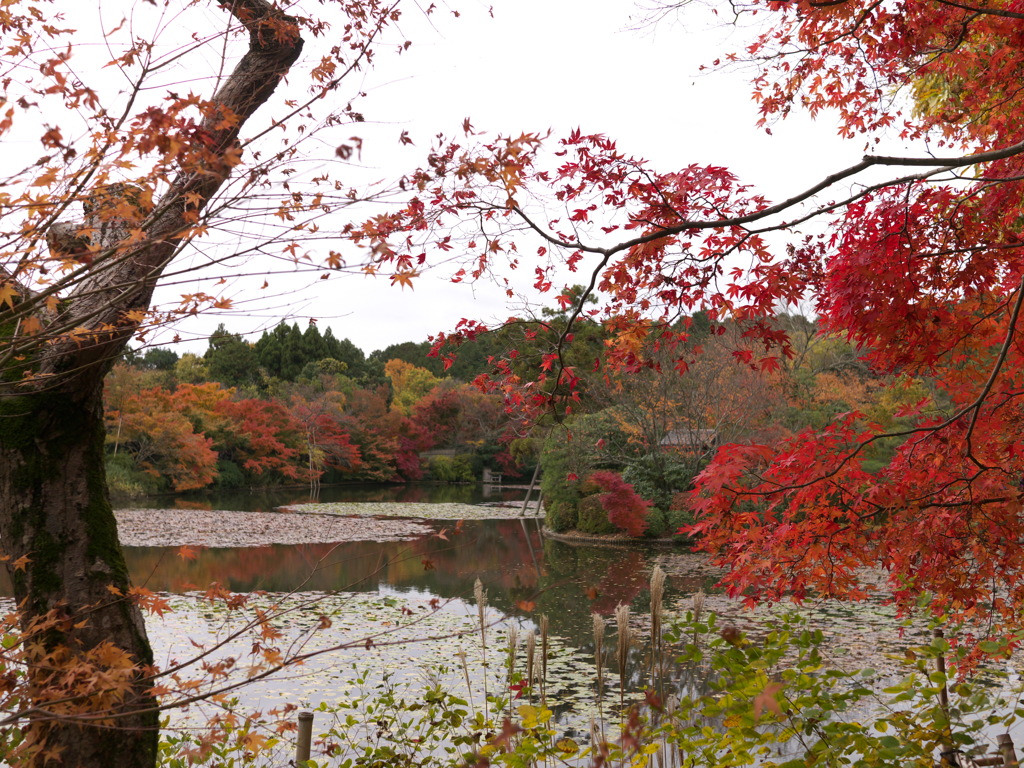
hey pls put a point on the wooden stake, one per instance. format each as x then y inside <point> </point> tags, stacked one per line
<point>305,738</point>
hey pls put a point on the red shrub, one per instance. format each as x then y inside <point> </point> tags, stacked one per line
<point>626,509</point>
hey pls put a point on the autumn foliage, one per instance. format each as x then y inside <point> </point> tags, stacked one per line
<point>626,510</point>
<point>911,254</point>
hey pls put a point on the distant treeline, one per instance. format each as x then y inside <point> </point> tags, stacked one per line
<point>288,353</point>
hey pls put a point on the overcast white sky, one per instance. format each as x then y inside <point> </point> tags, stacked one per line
<point>536,65</point>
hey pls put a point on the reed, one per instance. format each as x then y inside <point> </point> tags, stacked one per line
<point>531,659</point>
<point>481,609</point>
<point>657,614</point>
<point>543,659</point>
<point>599,653</point>
<point>599,627</point>
<point>622,649</point>
<point>513,651</point>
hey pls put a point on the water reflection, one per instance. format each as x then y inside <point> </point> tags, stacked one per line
<point>523,572</point>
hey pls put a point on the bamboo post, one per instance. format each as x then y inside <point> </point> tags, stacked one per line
<point>305,738</point>
<point>949,753</point>
<point>1006,749</point>
<point>940,664</point>
<point>529,493</point>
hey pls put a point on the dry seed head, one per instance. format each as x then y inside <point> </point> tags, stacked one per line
<point>657,603</point>
<point>513,646</point>
<point>622,626</point>
<point>698,605</point>
<point>598,632</point>
<point>599,652</point>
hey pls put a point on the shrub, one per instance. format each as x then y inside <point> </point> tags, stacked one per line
<point>626,510</point>
<point>561,495</point>
<point>667,522</point>
<point>560,516</point>
<point>659,476</point>
<point>125,479</point>
<point>593,517</point>
<point>657,523</point>
<point>458,469</point>
<point>573,450</point>
<point>679,513</point>
<point>229,475</point>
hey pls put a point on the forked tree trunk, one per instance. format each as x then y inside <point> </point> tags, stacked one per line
<point>57,530</point>
<point>55,513</point>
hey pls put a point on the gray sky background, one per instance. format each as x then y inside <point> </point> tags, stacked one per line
<point>534,65</point>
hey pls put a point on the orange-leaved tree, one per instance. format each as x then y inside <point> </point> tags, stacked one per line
<point>914,257</point>
<point>147,151</point>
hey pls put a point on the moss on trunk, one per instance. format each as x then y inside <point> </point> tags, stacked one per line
<point>55,511</point>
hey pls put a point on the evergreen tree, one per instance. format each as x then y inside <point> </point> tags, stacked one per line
<point>230,359</point>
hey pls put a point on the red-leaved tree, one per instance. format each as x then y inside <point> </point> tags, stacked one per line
<point>626,509</point>
<point>914,257</point>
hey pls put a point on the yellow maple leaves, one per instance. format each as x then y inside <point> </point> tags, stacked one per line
<point>404,278</point>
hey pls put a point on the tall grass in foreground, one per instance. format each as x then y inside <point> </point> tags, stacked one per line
<point>713,697</point>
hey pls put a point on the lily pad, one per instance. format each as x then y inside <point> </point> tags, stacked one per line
<point>222,528</point>
<point>422,511</point>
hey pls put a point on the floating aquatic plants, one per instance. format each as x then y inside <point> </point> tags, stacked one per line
<point>423,511</point>
<point>357,639</point>
<point>222,528</point>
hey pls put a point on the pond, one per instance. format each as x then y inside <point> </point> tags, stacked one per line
<point>512,559</point>
<point>369,588</point>
<point>403,608</point>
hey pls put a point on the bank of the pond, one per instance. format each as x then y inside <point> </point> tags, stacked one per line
<point>612,539</point>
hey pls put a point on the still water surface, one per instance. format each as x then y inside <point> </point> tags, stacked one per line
<point>524,574</point>
<point>515,563</point>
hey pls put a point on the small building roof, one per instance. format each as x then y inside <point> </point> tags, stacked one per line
<point>690,438</point>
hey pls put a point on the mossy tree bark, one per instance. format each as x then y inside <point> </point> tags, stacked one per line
<point>89,677</point>
<point>57,530</point>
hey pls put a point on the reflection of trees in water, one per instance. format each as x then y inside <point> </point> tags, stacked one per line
<point>515,563</point>
<point>496,551</point>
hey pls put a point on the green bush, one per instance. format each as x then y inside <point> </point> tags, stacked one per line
<point>657,523</point>
<point>229,475</point>
<point>125,479</point>
<point>593,518</point>
<point>659,476</point>
<point>560,516</point>
<point>561,495</point>
<point>448,469</point>
<point>574,450</point>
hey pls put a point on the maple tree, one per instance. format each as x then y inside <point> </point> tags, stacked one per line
<point>161,440</point>
<point>912,256</point>
<point>920,270</point>
<point>625,509</point>
<point>142,161</point>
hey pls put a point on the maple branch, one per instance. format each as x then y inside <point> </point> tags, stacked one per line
<point>982,10</point>
<point>999,362</point>
<point>274,45</point>
<point>869,161</point>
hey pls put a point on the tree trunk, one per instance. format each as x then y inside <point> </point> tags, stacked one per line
<point>90,699</point>
<point>55,513</point>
